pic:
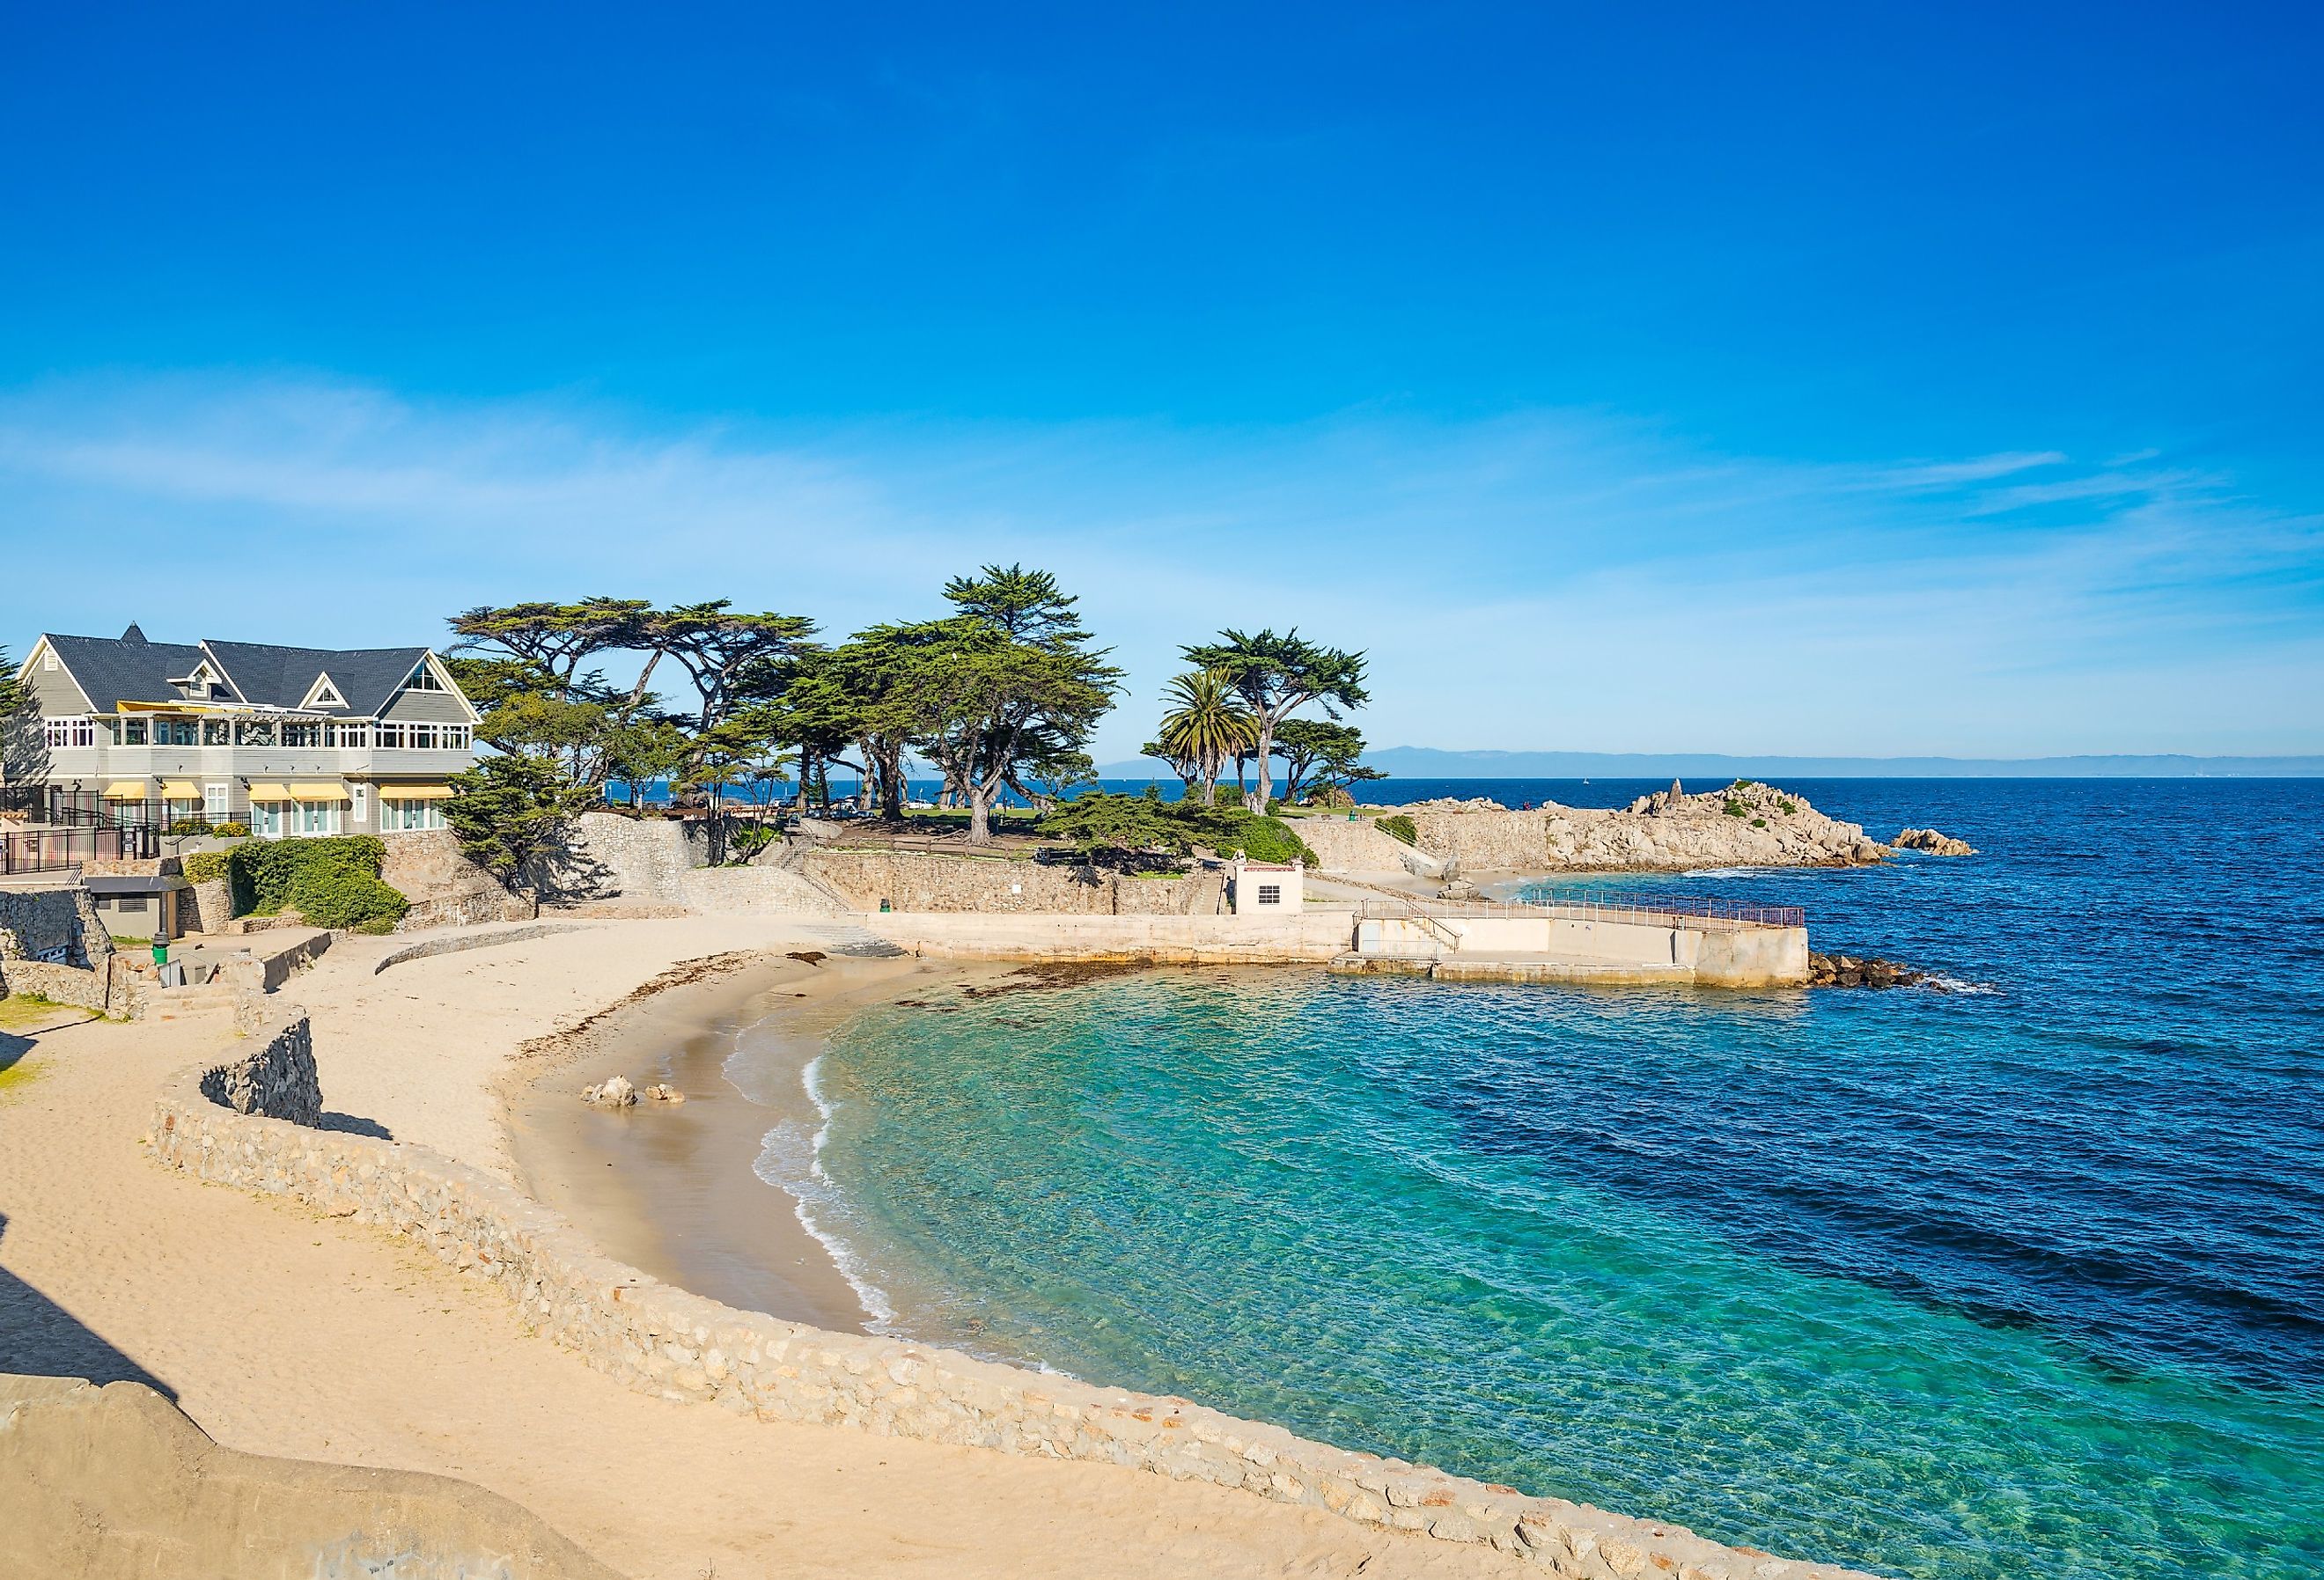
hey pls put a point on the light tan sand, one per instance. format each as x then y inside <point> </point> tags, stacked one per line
<point>670,1189</point>
<point>282,1332</point>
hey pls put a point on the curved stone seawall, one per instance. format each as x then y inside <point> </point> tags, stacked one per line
<point>663,1341</point>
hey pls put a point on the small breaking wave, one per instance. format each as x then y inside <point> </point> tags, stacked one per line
<point>791,1159</point>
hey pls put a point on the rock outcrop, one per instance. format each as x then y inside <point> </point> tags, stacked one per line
<point>1931,842</point>
<point>1745,824</point>
<point>1849,971</point>
<point>118,1484</point>
<point>616,1093</point>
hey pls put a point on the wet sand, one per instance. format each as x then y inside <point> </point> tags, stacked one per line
<point>671,1188</point>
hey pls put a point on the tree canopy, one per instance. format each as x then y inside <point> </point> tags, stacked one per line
<point>1276,676</point>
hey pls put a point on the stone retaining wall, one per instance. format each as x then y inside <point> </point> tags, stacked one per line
<point>41,921</point>
<point>909,881</point>
<point>277,1078</point>
<point>109,989</point>
<point>461,942</point>
<point>1313,936</point>
<point>679,1346</point>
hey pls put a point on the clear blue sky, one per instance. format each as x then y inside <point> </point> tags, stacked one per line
<point>1712,378</point>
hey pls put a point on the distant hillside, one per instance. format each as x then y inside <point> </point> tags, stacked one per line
<point>1430,762</point>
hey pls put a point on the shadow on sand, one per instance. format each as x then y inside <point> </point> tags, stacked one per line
<point>40,1337</point>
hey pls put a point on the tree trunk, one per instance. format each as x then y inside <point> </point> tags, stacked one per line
<point>891,775</point>
<point>807,773</point>
<point>1256,801</point>
<point>980,828</point>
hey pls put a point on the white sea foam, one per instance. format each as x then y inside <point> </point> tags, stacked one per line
<point>1945,983</point>
<point>791,1159</point>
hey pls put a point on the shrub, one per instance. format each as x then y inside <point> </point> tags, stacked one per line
<point>1789,809</point>
<point>185,826</point>
<point>230,831</point>
<point>334,896</point>
<point>1399,827</point>
<point>205,866</point>
<point>1735,808</point>
<point>332,882</point>
<point>1759,822</point>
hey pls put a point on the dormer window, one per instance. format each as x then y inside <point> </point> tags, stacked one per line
<point>423,678</point>
<point>204,684</point>
<point>323,694</point>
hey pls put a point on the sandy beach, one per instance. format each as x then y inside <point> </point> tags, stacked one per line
<point>669,1187</point>
<point>284,1333</point>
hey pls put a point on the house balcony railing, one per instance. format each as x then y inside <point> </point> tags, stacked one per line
<point>70,847</point>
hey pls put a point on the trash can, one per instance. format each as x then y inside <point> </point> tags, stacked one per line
<point>160,948</point>
<point>885,908</point>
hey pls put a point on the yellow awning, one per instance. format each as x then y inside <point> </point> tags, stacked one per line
<point>126,790</point>
<point>270,792</point>
<point>415,792</point>
<point>181,790</point>
<point>317,792</point>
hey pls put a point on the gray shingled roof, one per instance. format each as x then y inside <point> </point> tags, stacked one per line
<point>282,676</point>
<point>111,670</point>
<point>129,669</point>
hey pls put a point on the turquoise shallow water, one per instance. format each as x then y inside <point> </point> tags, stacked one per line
<point>2018,1280</point>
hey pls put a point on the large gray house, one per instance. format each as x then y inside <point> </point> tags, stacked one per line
<point>292,741</point>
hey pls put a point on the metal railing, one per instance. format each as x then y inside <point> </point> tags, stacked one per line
<point>1645,909</point>
<point>68,848</point>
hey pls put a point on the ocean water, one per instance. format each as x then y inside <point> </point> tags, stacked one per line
<point>2025,1277</point>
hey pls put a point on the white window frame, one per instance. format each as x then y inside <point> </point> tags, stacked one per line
<point>1270,893</point>
<point>267,820</point>
<point>314,819</point>
<point>67,731</point>
<point>359,795</point>
<point>217,801</point>
<point>409,814</point>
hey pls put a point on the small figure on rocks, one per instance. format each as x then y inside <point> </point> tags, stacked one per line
<point>1933,842</point>
<point>616,1093</point>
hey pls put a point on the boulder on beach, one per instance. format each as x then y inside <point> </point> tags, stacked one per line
<point>660,1093</point>
<point>616,1093</point>
<point>1931,842</point>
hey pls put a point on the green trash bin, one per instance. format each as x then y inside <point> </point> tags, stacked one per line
<point>160,948</point>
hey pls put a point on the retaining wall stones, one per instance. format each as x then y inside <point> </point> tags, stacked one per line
<point>457,943</point>
<point>1310,936</point>
<point>35,922</point>
<point>909,881</point>
<point>109,989</point>
<point>277,1078</point>
<point>606,856</point>
<point>679,1346</point>
<point>445,887</point>
<point>741,890</point>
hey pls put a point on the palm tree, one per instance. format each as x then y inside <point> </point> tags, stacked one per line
<point>1207,724</point>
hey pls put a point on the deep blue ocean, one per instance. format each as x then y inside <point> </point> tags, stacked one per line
<point>2024,1278</point>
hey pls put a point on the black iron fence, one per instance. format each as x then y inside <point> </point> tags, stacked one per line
<point>67,848</point>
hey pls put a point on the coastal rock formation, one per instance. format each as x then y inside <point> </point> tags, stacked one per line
<point>616,1093</point>
<point>1933,842</point>
<point>1747,824</point>
<point>659,1093</point>
<point>1849,971</point>
<point>116,1482</point>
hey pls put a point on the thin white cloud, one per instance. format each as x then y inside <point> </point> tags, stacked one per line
<point>1541,579</point>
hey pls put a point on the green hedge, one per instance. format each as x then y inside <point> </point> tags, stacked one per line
<point>1399,827</point>
<point>332,882</point>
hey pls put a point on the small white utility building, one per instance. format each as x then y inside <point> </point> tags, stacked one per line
<point>1265,888</point>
